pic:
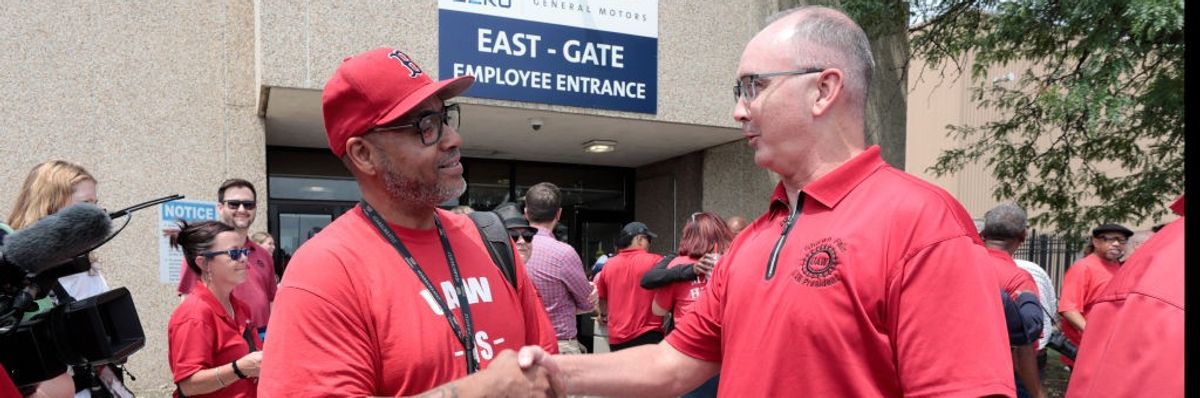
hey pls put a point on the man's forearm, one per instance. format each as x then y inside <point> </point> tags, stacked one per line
<point>1075,319</point>
<point>634,372</point>
<point>1025,362</point>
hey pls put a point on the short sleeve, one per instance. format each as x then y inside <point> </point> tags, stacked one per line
<point>190,347</point>
<point>932,299</point>
<point>318,291</point>
<point>1073,285</point>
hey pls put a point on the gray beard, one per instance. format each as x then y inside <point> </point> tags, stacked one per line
<point>407,190</point>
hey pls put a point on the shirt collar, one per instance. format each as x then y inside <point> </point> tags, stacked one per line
<point>832,187</point>
<point>206,296</point>
<point>1177,207</point>
<point>630,251</point>
<point>1001,254</point>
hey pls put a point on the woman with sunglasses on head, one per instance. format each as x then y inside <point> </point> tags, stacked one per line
<point>212,349</point>
<point>705,237</point>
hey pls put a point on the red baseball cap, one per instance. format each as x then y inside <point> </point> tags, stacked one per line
<point>375,88</point>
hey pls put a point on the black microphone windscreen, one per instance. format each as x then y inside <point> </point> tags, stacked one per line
<point>57,238</point>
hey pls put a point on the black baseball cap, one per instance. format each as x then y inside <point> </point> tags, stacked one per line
<point>1111,228</point>
<point>636,228</point>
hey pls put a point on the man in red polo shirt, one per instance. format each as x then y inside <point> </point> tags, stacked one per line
<point>1087,277</point>
<point>1133,345</point>
<point>236,206</point>
<point>624,304</point>
<point>1003,232</point>
<point>859,280</point>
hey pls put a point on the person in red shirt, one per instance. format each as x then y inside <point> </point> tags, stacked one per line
<point>236,207</point>
<point>704,237</point>
<point>397,297</point>
<point>623,305</point>
<point>211,343</point>
<point>853,283</point>
<point>1134,344</point>
<point>1087,277</point>
<point>1003,232</point>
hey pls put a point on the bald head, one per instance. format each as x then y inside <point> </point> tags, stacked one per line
<point>736,224</point>
<point>827,38</point>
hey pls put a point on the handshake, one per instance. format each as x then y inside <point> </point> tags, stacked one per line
<point>531,372</point>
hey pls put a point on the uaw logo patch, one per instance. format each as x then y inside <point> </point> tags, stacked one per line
<point>820,263</point>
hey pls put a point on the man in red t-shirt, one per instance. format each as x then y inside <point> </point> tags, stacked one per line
<point>853,283</point>
<point>1134,345</point>
<point>624,304</point>
<point>1087,277</point>
<point>398,297</point>
<point>237,206</point>
<point>1003,232</point>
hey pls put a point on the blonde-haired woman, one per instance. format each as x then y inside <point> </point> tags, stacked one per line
<point>50,187</point>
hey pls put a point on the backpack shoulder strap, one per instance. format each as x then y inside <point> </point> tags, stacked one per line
<point>495,237</point>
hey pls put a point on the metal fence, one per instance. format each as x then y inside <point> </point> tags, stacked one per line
<point>1053,253</point>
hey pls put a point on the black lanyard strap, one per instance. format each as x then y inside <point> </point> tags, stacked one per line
<point>465,339</point>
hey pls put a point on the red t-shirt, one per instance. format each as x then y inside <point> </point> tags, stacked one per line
<point>1133,345</point>
<point>679,296</point>
<point>1082,283</point>
<point>869,296</point>
<point>352,319</point>
<point>629,311</point>
<point>201,335</point>
<point>258,291</point>
<point>1012,278</point>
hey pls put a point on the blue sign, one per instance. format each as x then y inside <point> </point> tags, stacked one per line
<point>188,210</point>
<point>606,62</point>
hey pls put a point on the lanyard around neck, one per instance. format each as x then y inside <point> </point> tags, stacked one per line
<point>464,337</point>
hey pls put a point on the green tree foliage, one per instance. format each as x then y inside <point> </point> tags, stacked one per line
<point>1095,130</point>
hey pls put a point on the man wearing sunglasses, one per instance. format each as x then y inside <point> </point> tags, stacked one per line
<point>398,297</point>
<point>1087,277</point>
<point>236,206</point>
<point>858,281</point>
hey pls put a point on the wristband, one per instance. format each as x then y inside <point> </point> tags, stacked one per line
<point>237,371</point>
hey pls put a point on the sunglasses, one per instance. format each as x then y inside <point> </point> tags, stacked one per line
<point>234,254</point>
<point>522,233</point>
<point>234,204</point>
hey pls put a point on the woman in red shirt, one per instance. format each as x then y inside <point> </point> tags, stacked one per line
<point>705,237</point>
<point>212,348</point>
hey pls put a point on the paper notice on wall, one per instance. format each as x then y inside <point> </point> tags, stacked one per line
<point>170,260</point>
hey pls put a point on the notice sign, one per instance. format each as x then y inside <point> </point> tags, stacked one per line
<point>592,54</point>
<point>169,260</point>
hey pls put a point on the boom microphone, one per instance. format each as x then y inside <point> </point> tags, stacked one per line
<point>56,238</point>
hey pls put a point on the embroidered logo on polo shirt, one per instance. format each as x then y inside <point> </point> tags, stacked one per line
<point>820,263</point>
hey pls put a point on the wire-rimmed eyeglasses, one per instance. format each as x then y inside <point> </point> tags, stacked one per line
<point>747,86</point>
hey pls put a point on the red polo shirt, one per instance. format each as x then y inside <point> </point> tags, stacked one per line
<point>873,289</point>
<point>258,291</point>
<point>629,311</point>
<point>1012,278</point>
<point>1082,283</point>
<point>1133,344</point>
<point>201,335</point>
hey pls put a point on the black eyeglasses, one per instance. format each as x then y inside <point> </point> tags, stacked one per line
<point>522,233</point>
<point>429,125</point>
<point>1114,239</point>
<point>234,254</point>
<point>747,86</point>
<point>234,204</point>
